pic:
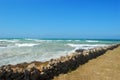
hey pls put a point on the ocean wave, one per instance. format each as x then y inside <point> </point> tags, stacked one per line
<point>14,40</point>
<point>3,46</point>
<point>85,46</point>
<point>75,45</point>
<point>26,44</point>
<point>43,40</point>
<point>39,40</point>
<point>77,40</point>
<point>50,40</point>
<point>91,41</point>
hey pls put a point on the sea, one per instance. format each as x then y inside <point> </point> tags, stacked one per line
<point>14,50</point>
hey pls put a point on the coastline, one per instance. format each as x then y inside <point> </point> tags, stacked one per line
<point>104,67</point>
<point>46,71</point>
<point>14,51</point>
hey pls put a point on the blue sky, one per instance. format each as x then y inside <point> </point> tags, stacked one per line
<point>60,18</point>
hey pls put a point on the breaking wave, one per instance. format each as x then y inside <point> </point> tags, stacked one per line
<point>13,51</point>
<point>91,41</point>
<point>25,45</point>
<point>85,46</point>
<point>12,41</point>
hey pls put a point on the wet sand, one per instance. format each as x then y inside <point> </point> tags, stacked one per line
<point>104,67</point>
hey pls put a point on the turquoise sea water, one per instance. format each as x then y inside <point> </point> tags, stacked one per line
<point>13,51</point>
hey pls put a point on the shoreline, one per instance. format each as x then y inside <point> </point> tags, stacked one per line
<point>47,70</point>
<point>104,67</point>
<point>15,51</point>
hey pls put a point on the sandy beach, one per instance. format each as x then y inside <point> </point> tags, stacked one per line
<point>104,67</point>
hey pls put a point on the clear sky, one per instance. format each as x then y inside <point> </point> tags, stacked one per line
<point>60,18</point>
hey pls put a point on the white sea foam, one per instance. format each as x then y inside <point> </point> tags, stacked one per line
<point>91,41</point>
<point>25,45</point>
<point>13,51</point>
<point>4,40</point>
<point>51,55</point>
<point>85,46</point>
<point>3,45</point>
<point>29,39</point>
<point>75,45</point>
<point>39,40</point>
<point>36,40</point>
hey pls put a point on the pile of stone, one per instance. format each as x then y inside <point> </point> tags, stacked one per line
<point>54,67</point>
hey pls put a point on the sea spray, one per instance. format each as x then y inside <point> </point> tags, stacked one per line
<point>13,51</point>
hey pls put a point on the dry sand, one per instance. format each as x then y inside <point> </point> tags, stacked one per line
<point>104,67</point>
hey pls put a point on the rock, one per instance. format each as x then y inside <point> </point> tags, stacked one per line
<point>31,66</point>
<point>27,75</point>
<point>34,74</point>
<point>43,76</point>
<point>79,50</point>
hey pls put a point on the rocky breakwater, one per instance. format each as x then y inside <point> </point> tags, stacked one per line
<point>46,71</point>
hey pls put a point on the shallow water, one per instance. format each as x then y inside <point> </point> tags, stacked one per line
<point>13,51</point>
